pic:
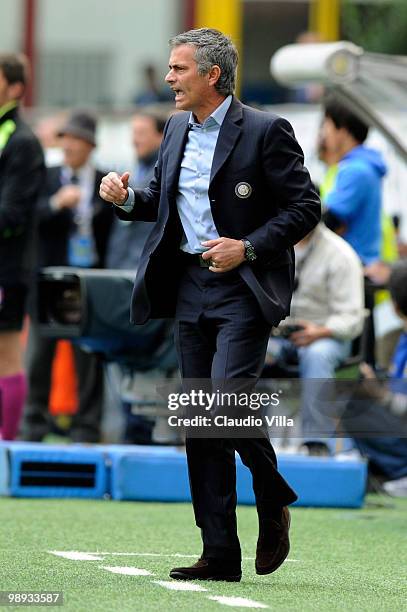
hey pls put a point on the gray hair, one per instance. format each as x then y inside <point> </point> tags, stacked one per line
<point>212,48</point>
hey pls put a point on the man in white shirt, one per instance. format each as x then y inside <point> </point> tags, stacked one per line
<point>328,308</point>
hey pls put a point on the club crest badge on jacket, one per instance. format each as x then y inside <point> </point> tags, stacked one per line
<point>243,190</point>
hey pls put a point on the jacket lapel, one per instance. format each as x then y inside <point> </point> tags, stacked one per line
<point>228,136</point>
<point>177,146</point>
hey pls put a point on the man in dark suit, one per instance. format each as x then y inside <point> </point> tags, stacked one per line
<point>74,227</point>
<point>230,198</point>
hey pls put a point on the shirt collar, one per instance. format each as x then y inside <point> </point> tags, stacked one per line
<point>83,173</point>
<point>217,116</point>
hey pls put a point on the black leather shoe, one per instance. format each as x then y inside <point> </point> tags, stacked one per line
<point>273,544</point>
<point>209,569</point>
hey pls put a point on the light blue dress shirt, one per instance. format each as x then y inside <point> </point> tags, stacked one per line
<point>192,198</point>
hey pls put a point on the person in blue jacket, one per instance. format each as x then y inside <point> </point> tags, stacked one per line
<point>353,206</point>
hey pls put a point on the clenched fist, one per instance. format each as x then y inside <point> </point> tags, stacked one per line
<point>113,187</point>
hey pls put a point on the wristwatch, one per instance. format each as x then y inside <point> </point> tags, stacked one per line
<point>249,252</point>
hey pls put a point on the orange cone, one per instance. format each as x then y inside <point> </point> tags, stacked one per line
<point>63,398</point>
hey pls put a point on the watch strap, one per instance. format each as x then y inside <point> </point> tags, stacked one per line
<point>249,251</point>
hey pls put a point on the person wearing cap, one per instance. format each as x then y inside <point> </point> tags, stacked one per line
<point>74,229</point>
<point>21,174</point>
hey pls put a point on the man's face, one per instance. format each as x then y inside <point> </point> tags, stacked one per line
<point>76,151</point>
<point>7,91</point>
<point>332,138</point>
<point>145,136</point>
<point>191,89</point>
<point>325,154</point>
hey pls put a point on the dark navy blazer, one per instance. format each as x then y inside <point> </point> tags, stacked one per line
<point>253,147</point>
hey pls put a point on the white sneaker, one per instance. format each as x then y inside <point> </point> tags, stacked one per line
<point>396,488</point>
<point>351,455</point>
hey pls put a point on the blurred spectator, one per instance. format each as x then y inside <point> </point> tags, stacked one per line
<point>127,239</point>
<point>387,405</point>
<point>74,230</point>
<point>353,201</point>
<point>330,158</point>
<point>380,348</point>
<point>152,92</point>
<point>21,176</point>
<point>386,324</point>
<point>47,130</point>
<point>127,242</point>
<point>353,205</point>
<point>327,307</point>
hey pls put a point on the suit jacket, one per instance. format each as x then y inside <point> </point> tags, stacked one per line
<point>21,175</point>
<point>280,207</point>
<point>55,227</point>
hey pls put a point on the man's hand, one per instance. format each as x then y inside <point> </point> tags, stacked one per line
<point>225,254</point>
<point>309,333</point>
<point>378,272</point>
<point>370,386</point>
<point>67,197</point>
<point>113,187</point>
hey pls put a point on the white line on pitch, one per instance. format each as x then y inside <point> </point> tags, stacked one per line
<point>180,586</point>
<point>75,555</point>
<point>147,554</point>
<point>79,556</point>
<point>237,602</point>
<point>126,571</point>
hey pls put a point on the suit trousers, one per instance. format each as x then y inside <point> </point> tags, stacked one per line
<point>85,426</point>
<point>221,336</point>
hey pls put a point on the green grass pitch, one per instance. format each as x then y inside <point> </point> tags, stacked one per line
<point>342,559</point>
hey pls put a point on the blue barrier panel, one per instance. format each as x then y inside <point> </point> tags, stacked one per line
<point>318,481</point>
<point>160,474</point>
<point>149,473</point>
<point>4,470</point>
<point>39,470</point>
